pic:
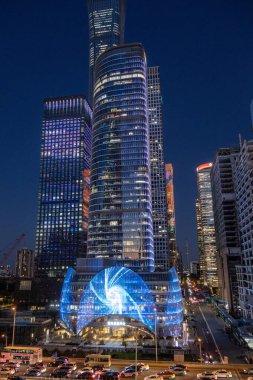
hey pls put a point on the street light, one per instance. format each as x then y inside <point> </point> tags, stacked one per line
<point>156,353</point>
<point>5,336</point>
<point>14,324</point>
<point>199,340</point>
<point>136,350</point>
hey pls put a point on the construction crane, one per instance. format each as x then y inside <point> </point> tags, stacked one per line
<point>6,255</point>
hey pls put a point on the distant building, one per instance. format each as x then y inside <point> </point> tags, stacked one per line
<point>244,200</point>
<point>25,263</point>
<point>173,254</point>
<point>64,184</point>
<point>208,252</point>
<point>106,29</point>
<point>226,223</point>
<point>157,169</point>
<point>200,241</point>
<point>194,268</point>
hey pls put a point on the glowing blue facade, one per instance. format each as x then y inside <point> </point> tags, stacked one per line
<point>67,304</point>
<point>116,290</point>
<point>120,291</point>
<point>174,311</point>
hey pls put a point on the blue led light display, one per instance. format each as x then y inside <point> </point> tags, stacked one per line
<point>67,304</point>
<point>174,310</point>
<point>116,290</point>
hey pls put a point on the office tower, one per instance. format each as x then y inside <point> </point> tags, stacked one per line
<point>120,216</point>
<point>171,214</point>
<point>209,273</point>
<point>25,263</point>
<point>194,268</point>
<point>200,241</point>
<point>226,224</point>
<point>64,184</point>
<point>106,29</point>
<point>157,169</point>
<point>244,200</point>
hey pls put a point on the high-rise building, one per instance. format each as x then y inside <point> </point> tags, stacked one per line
<point>120,215</point>
<point>64,184</point>
<point>194,268</point>
<point>106,29</point>
<point>209,273</point>
<point>171,214</point>
<point>200,241</point>
<point>226,224</point>
<point>157,169</point>
<point>244,200</point>
<point>25,263</point>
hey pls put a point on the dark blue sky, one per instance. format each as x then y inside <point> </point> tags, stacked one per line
<point>204,49</point>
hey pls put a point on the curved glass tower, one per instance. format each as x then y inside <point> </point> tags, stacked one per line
<point>120,221</point>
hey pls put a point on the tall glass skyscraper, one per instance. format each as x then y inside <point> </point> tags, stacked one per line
<point>64,184</point>
<point>206,227</point>
<point>120,218</point>
<point>106,29</point>
<point>157,169</point>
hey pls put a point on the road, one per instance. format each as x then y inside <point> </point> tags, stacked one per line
<point>210,329</point>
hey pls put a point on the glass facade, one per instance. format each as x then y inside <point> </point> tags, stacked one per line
<point>106,29</point>
<point>120,218</point>
<point>68,308</point>
<point>174,317</point>
<point>208,240</point>
<point>64,184</point>
<point>157,169</point>
<point>116,291</point>
<point>171,214</point>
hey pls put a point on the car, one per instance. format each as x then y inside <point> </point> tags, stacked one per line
<point>143,366</point>
<point>248,371</point>
<point>41,369</point>
<point>102,371</point>
<point>110,375</point>
<point>207,374</point>
<point>167,374</point>
<point>132,368</point>
<point>33,372</point>
<point>129,373</point>
<point>85,375</point>
<point>64,367</point>
<point>87,369</point>
<point>13,364</point>
<point>60,373</point>
<point>179,371</point>
<point>182,366</point>
<point>13,377</point>
<point>61,360</point>
<point>223,373</point>
<point>71,366</point>
<point>153,377</point>
<point>7,371</point>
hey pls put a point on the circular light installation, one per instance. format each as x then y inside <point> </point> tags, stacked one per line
<point>116,291</point>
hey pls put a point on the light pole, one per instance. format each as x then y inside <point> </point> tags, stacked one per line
<point>136,353</point>
<point>199,340</point>
<point>5,336</point>
<point>14,325</point>
<point>156,353</point>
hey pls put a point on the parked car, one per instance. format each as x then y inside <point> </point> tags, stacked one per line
<point>33,372</point>
<point>153,377</point>
<point>129,373</point>
<point>167,374</point>
<point>207,374</point>
<point>223,373</point>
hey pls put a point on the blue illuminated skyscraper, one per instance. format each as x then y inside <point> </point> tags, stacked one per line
<point>64,184</point>
<point>106,29</point>
<point>120,218</point>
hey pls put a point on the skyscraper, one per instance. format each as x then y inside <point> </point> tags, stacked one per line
<point>120,216</point>
<point>171,214</point>
<point>157,169</point>
<point>200,241</point>
<point>244,200</point>
<point>64,184</point>
<point>226,223</point>
<point>25,263</point>
<point>106,29</point>
<point>207,230</point>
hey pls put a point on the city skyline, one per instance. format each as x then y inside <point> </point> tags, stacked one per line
<point>25,207</point>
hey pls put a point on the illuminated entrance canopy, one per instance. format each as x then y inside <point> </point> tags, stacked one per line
<point>116,290</point>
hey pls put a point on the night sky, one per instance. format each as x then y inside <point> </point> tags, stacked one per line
<point>204,49</point>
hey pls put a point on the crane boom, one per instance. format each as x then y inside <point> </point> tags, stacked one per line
<point>7,254</point>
